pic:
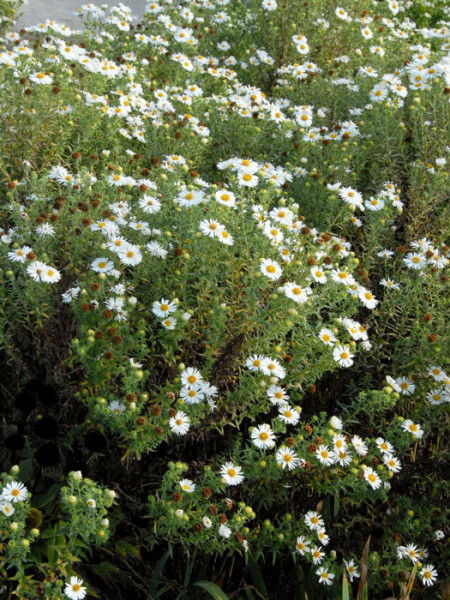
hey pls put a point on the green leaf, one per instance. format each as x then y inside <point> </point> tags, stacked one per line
<point>363,587</point>
<point>345,587</point>
<point>42,500</point>
<point>123,547</point>
<point>25,469</point>
<point>157,573</point>
<point>258,579</point>
<point>104,568</point>
<point>408,588</point>
<point>212,589</point>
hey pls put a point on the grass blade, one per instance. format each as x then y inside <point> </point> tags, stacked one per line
<point>213,590</point>
<point>362,589</point>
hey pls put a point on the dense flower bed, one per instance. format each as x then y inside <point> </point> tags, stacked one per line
<point>223,298</point>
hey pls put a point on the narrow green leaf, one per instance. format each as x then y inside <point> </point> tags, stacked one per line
<point>213,590</point>
<point>258,579</point>
<point>407,590</point>
<point>152,589</point>
<point>123,547</point>
<point>345,587</point>
<point>362,589</point>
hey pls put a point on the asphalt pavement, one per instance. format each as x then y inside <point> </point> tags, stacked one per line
<point>62,11</point>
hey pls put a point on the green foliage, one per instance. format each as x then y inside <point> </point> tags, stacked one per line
<point>223,292</point>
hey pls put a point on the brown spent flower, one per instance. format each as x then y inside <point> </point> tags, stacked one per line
<point>206,491</point>
<point>308,429</point>
<point>177,497</point>
<point>223,519</point>
<point>156,410</point>
<point>158,430</point>
<point>141,420</point>
<point>312,448</point>
<point>213,509</point>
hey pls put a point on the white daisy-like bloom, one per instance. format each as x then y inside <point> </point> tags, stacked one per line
<point>225,531</point>
<point>351,197</point>
<point>322,536</point>
<point>340,276</point>
<point>415,260</point>
<point>192,394</point>
<point>226,198</point>
<point>318,275</point>
<point>339,442</point>
<point>207,522</point>
<point>287,458</point>
<point>41,78</point>
<point>180,423</point>
<point>7,508</point>
<point>392,463</point>
<point>336,423</point>
<point>438,396</point>
<point>271,269</point>
<point>428,574</point>
<point>232,473</point>
<point>367,298</point>
<point>50,275</point>
<point>75,589</point>
<point>302,545</point>
<point>343,457</point>
<point>359,445</point>
<point>102,265</point>
<point>297,293</point>
<point>274,233</point>
<point>351,569</point>
<point>273,368</point>
<point>254,362</point>
<point>91,503</point>
<point>406,386</point>
<point>288,415</point>
<point>150,204</point>
<point>372,478</point>
<point>247,179</point>
<point>130,256</point>
<point>211,227</point>
<point>413,428</point>
<point>191,376</point>
<point>263,437</point>
<point>412,552</point>
<point>389,283</point>
<point>225,237</point>
<point>36,270</point>
<point>116,407</point>
<point>317,555</point>
<point>282,215</point>
<point>20,254</point>
<point>163,308</point>
<point>384,446</point>
<point>313,520</point>
<point>169,323</point>
<point>155,249</point>
<point>14,492</point>
<point>342,355</point>
<point>277,395</point>
<point>325,456</point>
<point>327,336</point>
<point>187,485</point>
